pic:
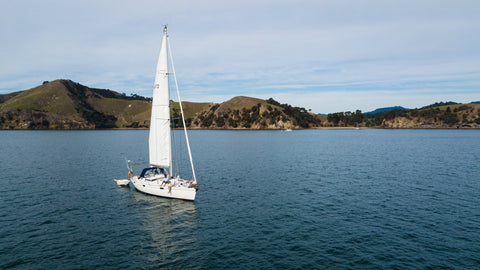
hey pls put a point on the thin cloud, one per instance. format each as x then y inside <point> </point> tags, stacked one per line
<point>260,48</point>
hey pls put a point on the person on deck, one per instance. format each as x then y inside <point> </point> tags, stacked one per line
<point>172,184</point>
<point>192,183</point>
<point>165,180</point>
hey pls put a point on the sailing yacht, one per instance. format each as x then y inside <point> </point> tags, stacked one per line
<point>159,179</point>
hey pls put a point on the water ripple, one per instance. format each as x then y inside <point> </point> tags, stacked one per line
<point>315,199</point>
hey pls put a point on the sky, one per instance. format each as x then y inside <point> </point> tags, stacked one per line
<point>324,55</point>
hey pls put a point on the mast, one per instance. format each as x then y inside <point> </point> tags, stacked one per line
<point>160,147</point>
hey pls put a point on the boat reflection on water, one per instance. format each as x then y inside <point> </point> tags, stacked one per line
<point>168,230</point>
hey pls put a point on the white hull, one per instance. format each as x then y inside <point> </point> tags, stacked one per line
<point>155,188</point>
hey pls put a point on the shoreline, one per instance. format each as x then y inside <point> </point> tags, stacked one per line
<point>247,129</point>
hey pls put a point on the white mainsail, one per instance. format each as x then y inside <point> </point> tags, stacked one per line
<point>160,147</point>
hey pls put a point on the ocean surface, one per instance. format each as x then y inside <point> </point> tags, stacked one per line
<point>307,199</point>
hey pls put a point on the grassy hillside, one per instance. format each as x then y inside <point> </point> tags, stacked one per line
<point>253,113</point>
<point>50,97</point>
<point>44,107</point>
<point>63,104</point>
<point>238,103</point>
<point>191,109</point>
<point>128,113</point>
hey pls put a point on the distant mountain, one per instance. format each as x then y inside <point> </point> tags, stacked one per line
<point>476,102</point>
<point>387,109</point>
<point>382,111</point>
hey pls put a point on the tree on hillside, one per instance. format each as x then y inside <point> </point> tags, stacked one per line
<point>346,118</point>
<point>300,115</point>
<point>448,117</point>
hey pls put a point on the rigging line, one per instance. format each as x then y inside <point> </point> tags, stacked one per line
<point>181,110</point>
<point>172,123</point>
<point>180,159</point>
<point>177,144</point>
<point>172,134</point>
<point>178,153</point>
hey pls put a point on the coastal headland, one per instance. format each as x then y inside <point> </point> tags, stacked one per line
<point>64,104</point>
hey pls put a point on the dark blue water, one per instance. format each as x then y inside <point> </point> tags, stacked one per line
<point>338,199</point>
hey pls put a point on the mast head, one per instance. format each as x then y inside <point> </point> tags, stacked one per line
<point>165,28</point>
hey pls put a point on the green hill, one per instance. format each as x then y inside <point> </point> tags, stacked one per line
<point>64,104</point>
<point>253,113</point>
